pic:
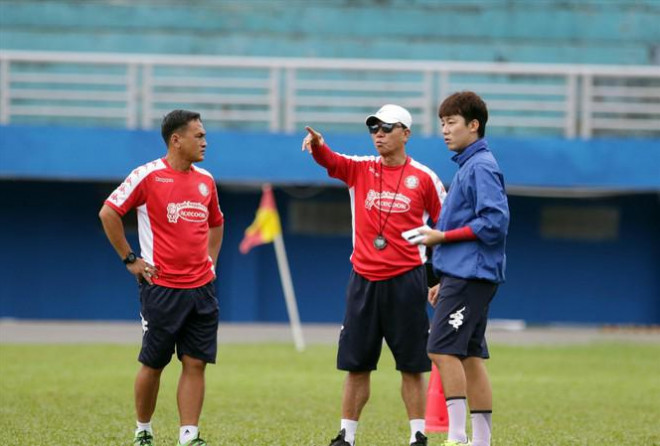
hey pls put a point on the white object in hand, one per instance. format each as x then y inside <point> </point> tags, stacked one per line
<point>413,236</point>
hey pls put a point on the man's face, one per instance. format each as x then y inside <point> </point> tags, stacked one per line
<point>389,142</point>
<point>191,141</point>
<point>457,133</point>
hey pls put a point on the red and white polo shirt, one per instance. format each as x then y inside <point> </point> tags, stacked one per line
<point>175,211</point>
<point>385,199</point>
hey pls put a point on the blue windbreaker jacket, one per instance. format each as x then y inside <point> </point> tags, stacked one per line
<point>476,198</point>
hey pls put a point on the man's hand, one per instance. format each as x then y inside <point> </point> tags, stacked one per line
<point>312,141</point>
<point>432,237</point>
<point>433,295</point>
<point>141,269</point>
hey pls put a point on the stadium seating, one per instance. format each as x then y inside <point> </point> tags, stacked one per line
<point>585,32</point>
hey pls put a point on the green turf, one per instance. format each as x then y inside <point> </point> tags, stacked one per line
<point>604,394</point>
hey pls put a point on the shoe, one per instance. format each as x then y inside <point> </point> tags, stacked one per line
<point>420,440</point>
<point>340,440</point>
<point>143,438</point>
<point>194,442</point>
<point>455,443</point>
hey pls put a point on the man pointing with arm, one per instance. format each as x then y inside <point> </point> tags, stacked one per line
<point>386,294</point>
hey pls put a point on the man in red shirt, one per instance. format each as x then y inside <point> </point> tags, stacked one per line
<point>180,226</point>
<point>386,296</point>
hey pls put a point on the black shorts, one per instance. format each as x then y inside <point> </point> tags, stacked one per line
<point>393,309</point>
<point>461,314</point>
<point>183,318</point>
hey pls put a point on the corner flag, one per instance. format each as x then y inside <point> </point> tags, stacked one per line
<point>266,228</point>
<point>266,225</point>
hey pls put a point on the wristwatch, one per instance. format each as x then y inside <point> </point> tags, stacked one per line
<point>130,258</point>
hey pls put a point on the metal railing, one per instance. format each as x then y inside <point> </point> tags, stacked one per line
<point>283,94</point>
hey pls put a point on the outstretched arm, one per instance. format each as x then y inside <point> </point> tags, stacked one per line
<point>338,166</point>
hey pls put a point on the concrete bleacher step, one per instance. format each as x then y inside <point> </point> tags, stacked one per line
<point>616,32</point>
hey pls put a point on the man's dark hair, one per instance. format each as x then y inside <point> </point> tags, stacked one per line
<point>175,120</point>
<point>468,105</point>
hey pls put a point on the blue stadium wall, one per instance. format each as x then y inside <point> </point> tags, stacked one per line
<point>57,263</point>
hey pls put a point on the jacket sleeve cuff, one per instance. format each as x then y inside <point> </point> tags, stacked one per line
<point>460,235</point>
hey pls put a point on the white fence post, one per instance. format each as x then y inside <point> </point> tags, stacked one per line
<point>132,96</point>
<point>274,99</point>
<point>570,128</point>
<point>587,87</point>
<point>443,91</point>
<point>4,91</point>
<point>147,87</point>
<point>290,101</point>
<point>427,128</point>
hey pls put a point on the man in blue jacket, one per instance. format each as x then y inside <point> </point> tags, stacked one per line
<point>469,259</point>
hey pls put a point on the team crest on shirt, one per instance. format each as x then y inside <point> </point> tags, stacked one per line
<point>411,182</point>
<point>203,189</point>
<point>188,211</point>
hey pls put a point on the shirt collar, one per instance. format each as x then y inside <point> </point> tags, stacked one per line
<point>466,154</point>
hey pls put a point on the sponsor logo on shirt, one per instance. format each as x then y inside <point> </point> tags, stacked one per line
<point>188,211</point>
<point>164,180</point>
<point>385,201</point>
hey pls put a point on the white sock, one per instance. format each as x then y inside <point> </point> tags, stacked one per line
<point>457,411</point>
<point>481,427</point>
<point>187,433</point>
<point>350,426</point>
<point>144,427</point>
<point>416,425</point>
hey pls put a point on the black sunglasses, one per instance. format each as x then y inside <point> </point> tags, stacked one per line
<point>387,128</point>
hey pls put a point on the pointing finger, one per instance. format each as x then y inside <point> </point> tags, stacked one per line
<point>312,132</point>
<point>314,139</point>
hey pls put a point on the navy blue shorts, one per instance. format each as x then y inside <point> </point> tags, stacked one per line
<point>393,309</point>
<point>461,314</point>
<point>183,318</point>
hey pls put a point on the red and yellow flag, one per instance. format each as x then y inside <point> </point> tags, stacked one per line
<point>266,225</point>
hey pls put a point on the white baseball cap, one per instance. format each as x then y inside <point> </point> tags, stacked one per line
<point>391,114</point>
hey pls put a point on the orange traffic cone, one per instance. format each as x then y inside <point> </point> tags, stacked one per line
<point>437,419</point>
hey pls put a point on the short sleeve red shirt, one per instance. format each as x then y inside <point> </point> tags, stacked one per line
<point>175,211</point>
<point>387,200</point>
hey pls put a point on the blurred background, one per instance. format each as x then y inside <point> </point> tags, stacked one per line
<point>573,90</point>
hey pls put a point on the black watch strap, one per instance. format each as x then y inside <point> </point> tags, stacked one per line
<point>130,258</point>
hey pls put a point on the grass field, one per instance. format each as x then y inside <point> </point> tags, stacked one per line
<point>603,394</point>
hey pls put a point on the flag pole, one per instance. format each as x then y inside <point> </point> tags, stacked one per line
<point>289,295</point>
